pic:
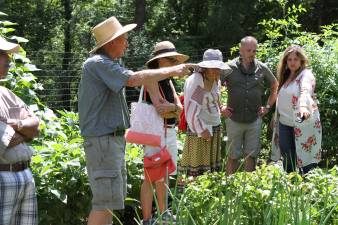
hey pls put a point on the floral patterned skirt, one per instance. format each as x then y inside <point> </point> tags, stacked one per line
<point>200,155</point>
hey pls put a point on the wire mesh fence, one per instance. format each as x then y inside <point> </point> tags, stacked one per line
<point>60,74</point>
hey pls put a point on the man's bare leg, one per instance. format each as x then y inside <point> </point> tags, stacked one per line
<point>232,166</point>
<point>250,164</point>
<point>99,217</point>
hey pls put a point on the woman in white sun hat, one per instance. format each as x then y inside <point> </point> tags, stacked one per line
<point>202,147</point>
<point>163,96</point>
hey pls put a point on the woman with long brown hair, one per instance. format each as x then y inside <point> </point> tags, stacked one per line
<point>297,130</point>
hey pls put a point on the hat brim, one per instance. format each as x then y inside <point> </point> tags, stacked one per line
<point>180,57</point>
<point>8,46</point>
<point>214,64</point>
<point>123,30</point>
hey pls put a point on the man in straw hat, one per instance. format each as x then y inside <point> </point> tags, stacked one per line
<point>246,87</point>
<point>18,125</point>
<point>104,115</point>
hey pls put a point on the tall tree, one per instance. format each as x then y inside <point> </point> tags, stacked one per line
<point>140,13</point>
<point>66,92</point>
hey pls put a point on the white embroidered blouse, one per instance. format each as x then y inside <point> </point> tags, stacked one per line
<point>202,110</point>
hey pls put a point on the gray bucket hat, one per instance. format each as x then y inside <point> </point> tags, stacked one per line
<point>213,58</point>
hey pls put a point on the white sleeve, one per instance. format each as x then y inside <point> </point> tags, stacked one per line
<point>6,134</point>
<point>193,98</point>
<point>306,85</point>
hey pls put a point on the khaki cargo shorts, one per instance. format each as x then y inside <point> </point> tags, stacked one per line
<point>243,138</point>
<point>107,172</point>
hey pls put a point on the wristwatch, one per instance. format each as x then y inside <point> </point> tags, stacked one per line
<point>19,125</point>
<point>268,107</point>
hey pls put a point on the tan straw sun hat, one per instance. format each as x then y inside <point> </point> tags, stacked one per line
<point>167,49</point>
<point>108,30</point>
<point>8,46</point>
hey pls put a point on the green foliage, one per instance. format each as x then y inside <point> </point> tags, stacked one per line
<point>266,196</point>
<point>60,172</point>
<point>20,78</point>
<point>141,48</point>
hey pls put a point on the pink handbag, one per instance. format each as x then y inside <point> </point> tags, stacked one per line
<point>142,138</point>
<point>146,124</point>
<point>158,165</point>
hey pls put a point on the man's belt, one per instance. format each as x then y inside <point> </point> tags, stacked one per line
<point>118,133</point>
<point>14,167</point>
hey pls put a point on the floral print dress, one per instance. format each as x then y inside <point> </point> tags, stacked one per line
<point>308,134</point>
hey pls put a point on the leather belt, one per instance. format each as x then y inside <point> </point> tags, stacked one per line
<point>118,133</point>
<point>14,167</point>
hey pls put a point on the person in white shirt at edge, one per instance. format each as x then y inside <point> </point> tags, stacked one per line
<point>18,125</point>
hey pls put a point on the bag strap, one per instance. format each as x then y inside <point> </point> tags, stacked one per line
<point>165,120</point>
<point>143,92</point>
<point>161,91</point>
<point>165,131</point>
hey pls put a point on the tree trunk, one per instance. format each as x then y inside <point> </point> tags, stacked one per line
<point>140,13</point>
<point>66,75</point>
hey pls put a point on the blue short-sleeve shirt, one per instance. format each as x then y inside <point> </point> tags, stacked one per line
<point>101,97</point>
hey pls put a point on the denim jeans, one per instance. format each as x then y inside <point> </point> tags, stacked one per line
<point>287,147</point>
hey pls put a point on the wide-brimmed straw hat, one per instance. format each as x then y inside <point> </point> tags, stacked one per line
<point>167,49</point>
<point>108,30</point>
<point>213,58</point>
<point>8,46</point>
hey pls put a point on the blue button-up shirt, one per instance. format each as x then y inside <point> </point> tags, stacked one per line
<point>102,104</point>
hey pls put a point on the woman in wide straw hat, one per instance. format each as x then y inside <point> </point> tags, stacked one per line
<point>202,149</point>
<point>163,96</point>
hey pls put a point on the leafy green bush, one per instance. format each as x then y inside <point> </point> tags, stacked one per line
<point>266,196</point>
<point>59,169</point>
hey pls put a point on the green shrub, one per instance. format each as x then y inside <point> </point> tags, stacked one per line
<point>266,196</point>
<point>59,169</point>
